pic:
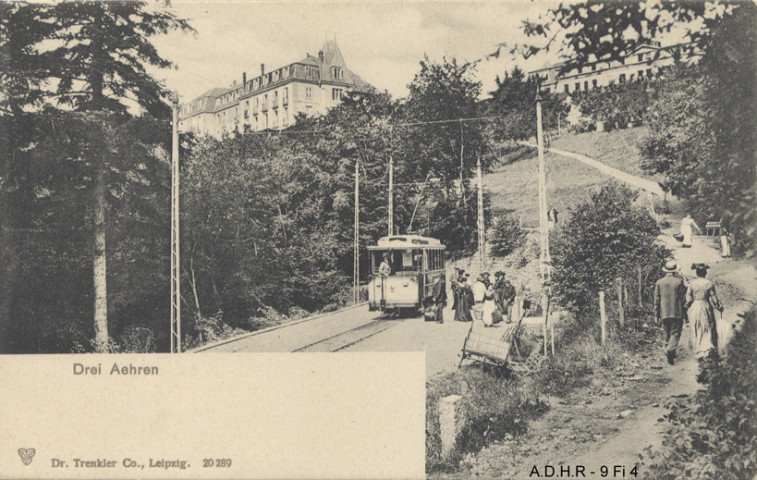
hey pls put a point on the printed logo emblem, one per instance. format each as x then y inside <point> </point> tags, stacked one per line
<point>26,455</point>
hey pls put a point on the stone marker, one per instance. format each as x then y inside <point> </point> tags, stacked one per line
<point>450,422</point>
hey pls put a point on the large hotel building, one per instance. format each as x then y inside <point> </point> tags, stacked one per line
<point>644,61</point>
<point>271,100</point>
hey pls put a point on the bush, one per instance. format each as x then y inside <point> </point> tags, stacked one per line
<point>714,435</point>
<point>508,235</point>
<point>605,238</point>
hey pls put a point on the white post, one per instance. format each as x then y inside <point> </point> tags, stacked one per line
<point>450,422</point>
<point>175,242</point>
<point>391,194</point>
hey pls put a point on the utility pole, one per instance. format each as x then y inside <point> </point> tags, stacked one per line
<point>356,246</point>
<point>175,244</point>
<point>543,230</point>
<point>391,186</point>
<point>481,236</point>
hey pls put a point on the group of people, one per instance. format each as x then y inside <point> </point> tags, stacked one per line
<point>486,300</point>
<point>688,225</point>
<point>695,304</point>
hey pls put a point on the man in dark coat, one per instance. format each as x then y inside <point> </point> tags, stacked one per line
<point>669,297</point>
<point>439,294</point>
<point>507,296</point>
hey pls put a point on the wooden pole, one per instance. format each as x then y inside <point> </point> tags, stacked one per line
<point>603,316</point>
<point>641,302</point>
<point>621,312</point>
<point>481,234</point>
<point>356,245</point>
<point>391,194</point>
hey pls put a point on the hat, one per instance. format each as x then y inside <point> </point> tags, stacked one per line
<point>699,266</point>
<point>670,266</point>
<point>497,274</point>
<point>385,254</point>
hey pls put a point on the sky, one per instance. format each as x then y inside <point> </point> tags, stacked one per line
<point>381,41</point>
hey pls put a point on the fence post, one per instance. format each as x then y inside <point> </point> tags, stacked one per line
<point>602,316</point>
<point>621,313</point>
<point>641,302</point>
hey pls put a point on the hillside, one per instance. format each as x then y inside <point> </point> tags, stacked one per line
<point>513,186</point>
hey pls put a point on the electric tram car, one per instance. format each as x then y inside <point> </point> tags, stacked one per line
<point>417,264</point>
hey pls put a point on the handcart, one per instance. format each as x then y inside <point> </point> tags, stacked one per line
<point>494,350</point>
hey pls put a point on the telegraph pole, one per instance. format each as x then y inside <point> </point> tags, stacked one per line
<point>543,234</point>
<point>356,246</point>
<point>391,186</point>
<point>175,244</point>
<point>481,236</point>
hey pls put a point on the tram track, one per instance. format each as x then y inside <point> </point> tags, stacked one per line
<point>348,338</point>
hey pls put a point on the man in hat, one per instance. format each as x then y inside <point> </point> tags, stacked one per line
<point>439,295</point>
<point>507,296</point>
<point>669,294</point>
<point>385,269</point>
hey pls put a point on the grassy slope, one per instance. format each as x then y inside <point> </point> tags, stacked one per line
<point>514,186</point>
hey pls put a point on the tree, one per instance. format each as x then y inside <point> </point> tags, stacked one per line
<point>94,55</point>
<point>606,237</point>
<point>703,129</point>
<point>515,101</point>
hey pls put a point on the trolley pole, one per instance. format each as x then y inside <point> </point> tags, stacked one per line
<point>175,244</point>
<point>481,235</point>
<point>356,246</point>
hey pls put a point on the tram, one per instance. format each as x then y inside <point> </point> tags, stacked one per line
<point>417,264</point>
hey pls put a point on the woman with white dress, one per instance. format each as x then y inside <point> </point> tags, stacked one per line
<point>701,302</point>
<point>687,226</point>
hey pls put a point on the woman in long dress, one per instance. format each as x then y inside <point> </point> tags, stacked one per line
<point>687,226</point>
<point>701,302</point>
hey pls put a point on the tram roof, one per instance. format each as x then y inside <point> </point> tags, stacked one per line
<point>406,241</point>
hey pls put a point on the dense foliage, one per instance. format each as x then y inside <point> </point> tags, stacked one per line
<point>618,105</point>
<point>714,435</point>
<point>606,237</point>
<point>703,129</point>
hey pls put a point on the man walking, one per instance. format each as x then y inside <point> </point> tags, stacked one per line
<point>669,294</point>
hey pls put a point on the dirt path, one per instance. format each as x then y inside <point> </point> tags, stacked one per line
<point>642,183</point>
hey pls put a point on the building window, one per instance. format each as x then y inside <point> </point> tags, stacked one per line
<point>594,83</point>
<point>578,87</point>
<point>308,92</point>
<point>641,57</point>
<point>337,73</point>
<point>567,88</point>
<point>586,85</point>
<point>622,78</point>
<point>640,73</point>
<point>649,72</point>
<point>594,67</point>
<point>336,93</point>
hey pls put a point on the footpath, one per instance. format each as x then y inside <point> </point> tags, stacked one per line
<point>603,430</point>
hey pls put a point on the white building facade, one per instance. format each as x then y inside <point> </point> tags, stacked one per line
<point>645,61</point>
<point>272,100</point>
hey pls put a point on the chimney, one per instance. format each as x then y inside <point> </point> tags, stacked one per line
<point>320,55</point>
<point>262,69</point>
<point>244,79</point>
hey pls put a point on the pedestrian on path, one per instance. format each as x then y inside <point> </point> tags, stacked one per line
<point>464,299</point>
<point>479,294</point>
<point>725,242</point>
<point>701,302</point>
<point>688,225</point>
<point>669,294</point>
